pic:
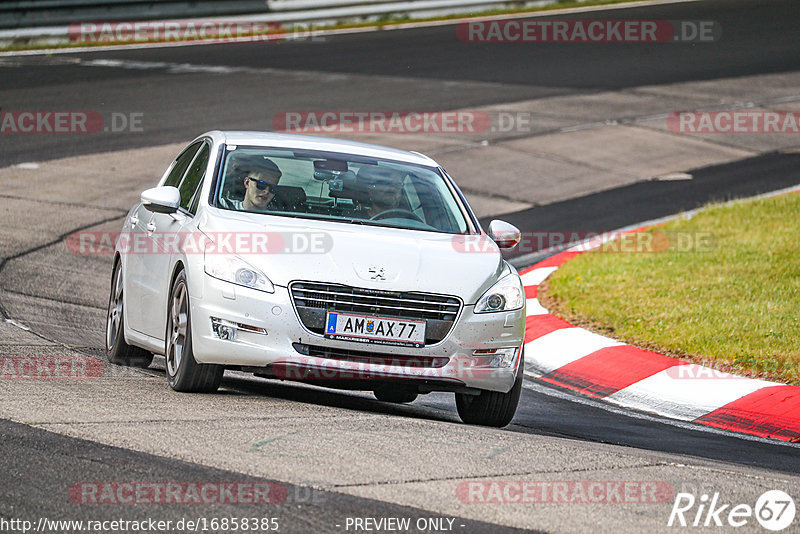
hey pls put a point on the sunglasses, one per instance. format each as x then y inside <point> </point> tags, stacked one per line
<point>262,185</point>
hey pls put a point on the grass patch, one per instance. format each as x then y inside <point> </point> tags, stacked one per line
<point>722,289</point>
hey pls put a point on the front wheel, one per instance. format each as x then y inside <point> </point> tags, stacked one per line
<point>491,408</point>
<point>117,349</point>
<point>183,371</point>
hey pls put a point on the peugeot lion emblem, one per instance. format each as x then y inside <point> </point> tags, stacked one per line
<point>377,273</point>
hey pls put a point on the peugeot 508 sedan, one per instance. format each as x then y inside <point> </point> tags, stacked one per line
<point>331,262</point>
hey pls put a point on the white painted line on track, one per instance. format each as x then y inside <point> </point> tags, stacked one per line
<point>685,398</point>
<point>567,395</point>
<point>673,177</point>
<point>537,276</point>
<point>533,307</point>
<point>564,346</point>
<point>18,325</point>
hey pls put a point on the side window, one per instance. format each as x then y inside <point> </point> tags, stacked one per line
<point>180,165</point>
<point>195,199</point>
<point>194,176</point>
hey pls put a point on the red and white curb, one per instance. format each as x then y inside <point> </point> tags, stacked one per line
<point>577,359</point>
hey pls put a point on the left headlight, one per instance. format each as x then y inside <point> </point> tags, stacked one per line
<point>234,269</point>
<point>506,295</point>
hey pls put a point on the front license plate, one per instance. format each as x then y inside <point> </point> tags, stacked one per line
<point>372,329</point>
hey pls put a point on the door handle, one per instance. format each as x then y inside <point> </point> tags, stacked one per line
<point>151,227</point>
<point>134,220</point>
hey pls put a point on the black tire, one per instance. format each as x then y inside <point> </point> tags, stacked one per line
<point>183,372</point>
<point>117,349</point>
<point>491,408</point>
<point>395,394</point>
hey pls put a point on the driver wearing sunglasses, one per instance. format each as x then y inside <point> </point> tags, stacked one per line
<point>260,184</point>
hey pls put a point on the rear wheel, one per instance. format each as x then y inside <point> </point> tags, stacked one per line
<point>394,394</point>
<point>491,408</point>
<point>117,349</point>
<point>183,371</point>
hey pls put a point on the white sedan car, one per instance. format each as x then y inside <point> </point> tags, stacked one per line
<point>317,260</point>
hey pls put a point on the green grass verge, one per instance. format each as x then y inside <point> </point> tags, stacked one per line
<point>721,289</point>
<point>383,21</point>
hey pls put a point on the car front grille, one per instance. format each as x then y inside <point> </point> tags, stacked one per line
<point>313,300</point>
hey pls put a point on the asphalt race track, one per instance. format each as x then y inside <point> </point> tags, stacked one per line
<point>403,70</point>
<point>341,455</point>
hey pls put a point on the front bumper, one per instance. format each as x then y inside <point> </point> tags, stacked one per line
<point>281,348</point>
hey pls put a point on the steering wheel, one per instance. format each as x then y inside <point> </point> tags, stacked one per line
<point>407,214</point>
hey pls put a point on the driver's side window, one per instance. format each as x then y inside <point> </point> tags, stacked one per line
<point>181,164</point>
<point>191,180</point>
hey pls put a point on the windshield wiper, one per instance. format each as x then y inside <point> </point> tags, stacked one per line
<point>364,222</point>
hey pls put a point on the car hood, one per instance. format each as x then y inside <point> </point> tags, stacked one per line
<point>361,256</point>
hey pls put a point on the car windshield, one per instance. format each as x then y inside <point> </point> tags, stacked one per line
<point>338,187</point>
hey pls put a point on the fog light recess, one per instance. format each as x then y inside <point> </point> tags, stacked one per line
<point>228,330</point>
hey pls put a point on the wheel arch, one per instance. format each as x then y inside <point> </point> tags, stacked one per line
<point>178,268</point>
<point>118,262</point>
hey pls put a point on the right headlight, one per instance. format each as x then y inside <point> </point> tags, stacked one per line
<point>235,270</point>
<point>506,295</point>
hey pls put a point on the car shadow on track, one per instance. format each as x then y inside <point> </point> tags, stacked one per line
<point>236,383</point>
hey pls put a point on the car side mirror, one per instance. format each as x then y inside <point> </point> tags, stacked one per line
<point>504,234</point>
<point>164,199</point>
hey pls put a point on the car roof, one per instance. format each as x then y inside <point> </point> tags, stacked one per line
<point>324,144</point>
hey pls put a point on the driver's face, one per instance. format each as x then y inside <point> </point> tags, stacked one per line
<point>259,197</point>
<point>384,191</point>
